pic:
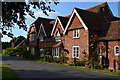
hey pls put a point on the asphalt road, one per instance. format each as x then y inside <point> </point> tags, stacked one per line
<point>40,71</point>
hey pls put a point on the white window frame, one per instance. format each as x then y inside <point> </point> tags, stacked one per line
<point>33,50</point>
<point>42,50</point>
<point>55,52</point>
<point>58,36</point>
<point>32,38</point>
<point>75,34</point>
<point>75,51</point>
<point>41,38</point>
<point>116,52</point>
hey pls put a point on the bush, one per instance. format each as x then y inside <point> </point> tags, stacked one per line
<point>80,63</point>
<point>46,57</point>
<point>93,64</point>
<point>20,51</point>
<point>9,52</point>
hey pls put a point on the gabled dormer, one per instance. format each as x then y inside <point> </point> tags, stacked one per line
<point>57,35</point>
<point>42,33</point>
<point>59,25</point>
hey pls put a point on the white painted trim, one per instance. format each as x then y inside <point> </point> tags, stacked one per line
<point>60,23</point>
<point>57,19</point>
<point>78,33</point>
<point>41,26</point>
<point>55,51</point>
<point>75,12</point>
<point>78,51</point>
<point>115,50</point>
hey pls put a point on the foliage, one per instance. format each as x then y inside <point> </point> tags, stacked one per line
<point>21,51</point>
<point>62,57</point>
<point>5,45</point>
<point>6,70</point>
<point>93,40</point>
<point>15,13</point>
<point>93,64</point>
<point>77,63</point>
<point>46,57</point>
<point>9,51</point>
<point>18,51</point>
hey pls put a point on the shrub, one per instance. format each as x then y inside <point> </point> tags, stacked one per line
<point>9,52</point>
<point>93,64</point>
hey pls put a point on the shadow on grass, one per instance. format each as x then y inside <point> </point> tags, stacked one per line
<point>8,73</point>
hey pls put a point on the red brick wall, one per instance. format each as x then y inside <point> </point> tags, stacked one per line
<point>75,22</point>
<point>82,41</point>
<point>113,64</point>
<point>32,43</point>
<point>48,42</point>
<point>58,26</point>
<point>113,57</point>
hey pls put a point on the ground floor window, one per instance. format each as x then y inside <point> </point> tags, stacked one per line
<point>32,50</point>
<point>41,51</point>
<point>75,52</point>
<point>55,52</point>
<point>116,50</point>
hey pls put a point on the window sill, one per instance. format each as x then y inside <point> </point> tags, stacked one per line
<point>55,56</point>
<point>76,37</point>
<point>74,57</point>
<point>116,54</point>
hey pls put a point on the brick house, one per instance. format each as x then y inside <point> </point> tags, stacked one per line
<point>83,24</point>
<point>46,41</point>
<point>75,34</point>
<point>33,32</point>
<point>18,42</point>
<point>57,33</point>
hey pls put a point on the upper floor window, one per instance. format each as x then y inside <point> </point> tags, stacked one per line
<point>116,50</point>
<point>32,38</point>
<point>41,38</point>
<point>58,38</point>
<point>76,33</point>
<point>75,52</point>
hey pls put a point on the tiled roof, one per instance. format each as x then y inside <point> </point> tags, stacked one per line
<point>113,31</point>
<point>63,20</point>
<point>92,20</point>
<point>96,8</point>
<point>48,28</point>
<point>40,20</point>
<point>18,40</point>
<point>59,44</point>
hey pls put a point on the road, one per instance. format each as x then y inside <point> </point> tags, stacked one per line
<point>40,71</point>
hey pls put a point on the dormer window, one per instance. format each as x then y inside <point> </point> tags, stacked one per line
<point>76,33</point>
<point>58,37</point>
<point>116,50</point>
<point>41,38</point>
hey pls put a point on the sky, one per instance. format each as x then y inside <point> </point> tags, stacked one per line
<point>62,9</point>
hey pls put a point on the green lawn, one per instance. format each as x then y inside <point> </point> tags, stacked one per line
<point>8,73</point>
<point>78,67</point>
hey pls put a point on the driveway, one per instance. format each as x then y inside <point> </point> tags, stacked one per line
<point>40,71</point>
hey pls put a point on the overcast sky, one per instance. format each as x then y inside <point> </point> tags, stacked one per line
<point>62,9</point>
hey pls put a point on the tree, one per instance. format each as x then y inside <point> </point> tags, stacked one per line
<point>15,12</point>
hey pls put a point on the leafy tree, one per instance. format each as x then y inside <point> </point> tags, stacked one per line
<point>5,45</point>
<point>15,12</point>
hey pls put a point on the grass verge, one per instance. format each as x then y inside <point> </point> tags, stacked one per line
<point>8,73</point>
<point>84,68</point>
